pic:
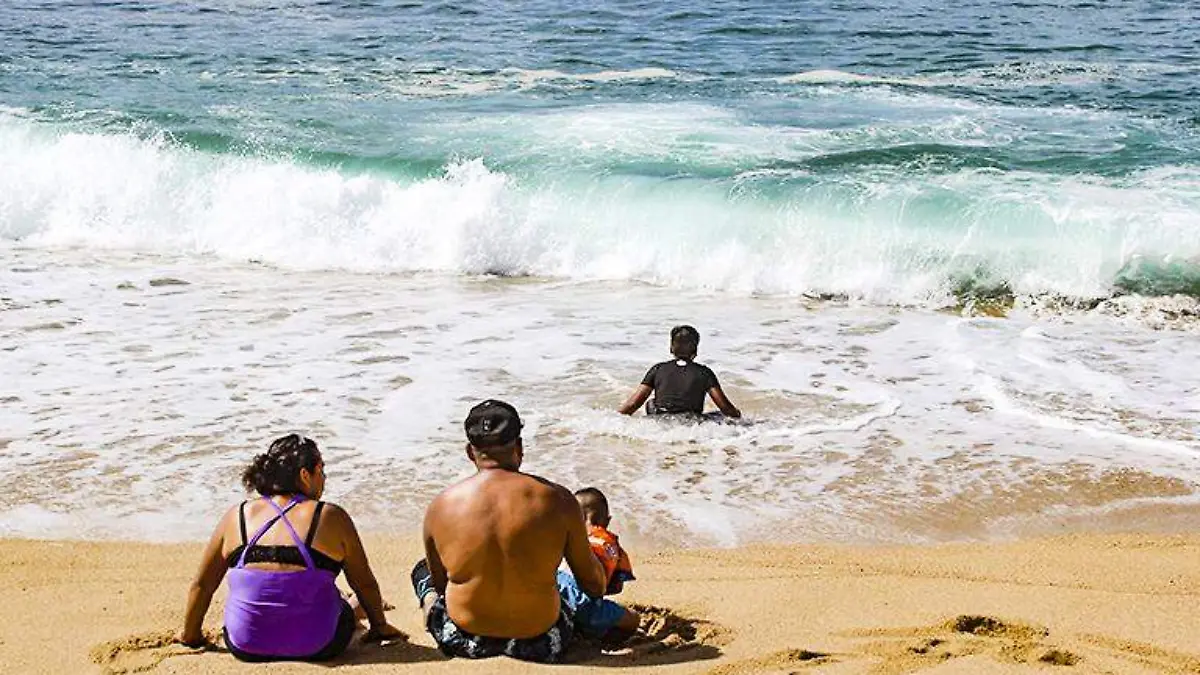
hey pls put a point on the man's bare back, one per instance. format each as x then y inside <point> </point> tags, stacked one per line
<point>501,536</point>
<point>494,541</point>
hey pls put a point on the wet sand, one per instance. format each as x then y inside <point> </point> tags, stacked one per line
<point>1081,603</point>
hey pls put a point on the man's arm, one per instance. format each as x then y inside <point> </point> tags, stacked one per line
<point>588,570</point>
<point>437,569</point>
<point>636,399</point>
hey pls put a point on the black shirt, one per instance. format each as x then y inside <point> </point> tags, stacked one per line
<point>679,388</point>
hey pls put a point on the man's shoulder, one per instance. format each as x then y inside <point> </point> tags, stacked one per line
<point>451,493</point>
<point>541,484</point>
<point>470,488</point>
<point>551,495</point>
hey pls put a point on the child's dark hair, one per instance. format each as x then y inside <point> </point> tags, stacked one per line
<point>685,342</point>
<point>594,502</point>
<point>277,471</point>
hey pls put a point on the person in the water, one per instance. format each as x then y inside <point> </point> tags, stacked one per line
<point>679,385</point>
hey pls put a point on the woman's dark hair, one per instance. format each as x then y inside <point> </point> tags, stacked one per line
<point>277,471</point>
<point>685,342</point>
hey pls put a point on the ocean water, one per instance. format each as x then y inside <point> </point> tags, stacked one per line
<point>947,258</point>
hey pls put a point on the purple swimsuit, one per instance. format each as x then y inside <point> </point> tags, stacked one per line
<point>282,614</point>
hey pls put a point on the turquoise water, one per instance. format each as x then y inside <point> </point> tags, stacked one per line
<point>893,151</point>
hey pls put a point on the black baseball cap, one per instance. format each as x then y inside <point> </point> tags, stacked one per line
<point>492,423</point>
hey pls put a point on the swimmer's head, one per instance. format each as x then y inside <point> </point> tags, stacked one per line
<point>594,505</point>
<point>685,342</point>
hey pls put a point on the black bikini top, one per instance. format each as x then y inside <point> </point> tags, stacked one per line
<point>283,555</point>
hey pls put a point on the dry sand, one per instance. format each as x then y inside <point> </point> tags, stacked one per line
<point>1078,604</point>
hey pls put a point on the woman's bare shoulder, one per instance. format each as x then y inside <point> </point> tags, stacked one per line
<point>336,516</point>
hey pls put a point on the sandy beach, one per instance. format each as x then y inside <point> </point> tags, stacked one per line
<point>1080,603</point>
<point>944,258</point>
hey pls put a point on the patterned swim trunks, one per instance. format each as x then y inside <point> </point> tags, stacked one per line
<point>549,647</point>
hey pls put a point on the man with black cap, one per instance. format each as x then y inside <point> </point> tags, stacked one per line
<point>493,543</point>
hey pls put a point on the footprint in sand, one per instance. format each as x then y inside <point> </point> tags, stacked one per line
<point>663,627</point>
<point>1145,655</point>
<point>785,661</point>
<point>143,651</point>
<point>917,649</point>
<point>910,650</point>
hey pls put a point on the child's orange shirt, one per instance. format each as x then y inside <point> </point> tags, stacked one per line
<point>617,567</point>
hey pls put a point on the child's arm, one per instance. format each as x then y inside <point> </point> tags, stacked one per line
<point>642,393</point>
<point>635,400</point>
<point>623,573</point>
<point>723,402</point>
<point>718,396</point>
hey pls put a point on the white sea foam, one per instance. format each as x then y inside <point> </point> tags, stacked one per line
<point>1015,75</point>
<point>838,77</point>
<point>538,76</point>
<point>884,234</point>
<point>384,78</point>
<point>460,83</point>
<point>149,396</point>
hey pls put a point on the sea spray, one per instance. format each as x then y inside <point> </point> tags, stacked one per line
<point>881,233</point>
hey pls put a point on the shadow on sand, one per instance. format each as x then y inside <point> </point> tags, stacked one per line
<point>396,652</point>
<point>665,638</point>
<point>144,651</point>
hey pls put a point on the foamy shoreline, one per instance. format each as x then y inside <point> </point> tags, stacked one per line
<point>864,423</point>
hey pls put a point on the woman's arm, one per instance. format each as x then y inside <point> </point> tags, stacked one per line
<point>359,575</point>
<point>208,579</point>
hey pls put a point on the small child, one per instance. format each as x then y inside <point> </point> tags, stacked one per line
<point>599,617</point>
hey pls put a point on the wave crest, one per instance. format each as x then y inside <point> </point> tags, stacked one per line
<point>885,234</point>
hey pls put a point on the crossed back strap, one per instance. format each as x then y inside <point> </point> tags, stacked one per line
<point>281,514</point>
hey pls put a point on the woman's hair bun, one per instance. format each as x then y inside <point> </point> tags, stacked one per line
<point>277,471</point>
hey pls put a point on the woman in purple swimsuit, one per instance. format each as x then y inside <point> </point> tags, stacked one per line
<point>283,603</point>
